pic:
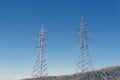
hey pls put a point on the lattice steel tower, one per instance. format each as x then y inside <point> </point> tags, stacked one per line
<point>40,67</point>
<point>84,62</point>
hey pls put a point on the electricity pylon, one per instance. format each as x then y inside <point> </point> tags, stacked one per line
<point>84,61</point>
<point>40,67</point>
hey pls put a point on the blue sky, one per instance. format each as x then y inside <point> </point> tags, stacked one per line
<point>21,20</point>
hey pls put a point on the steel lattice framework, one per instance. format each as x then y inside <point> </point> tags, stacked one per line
<point>40,67</point>
<point>84,61</point>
